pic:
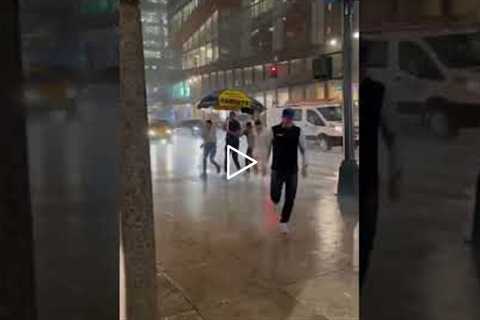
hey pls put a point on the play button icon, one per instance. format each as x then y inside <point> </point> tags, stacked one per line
<point>231,175</point>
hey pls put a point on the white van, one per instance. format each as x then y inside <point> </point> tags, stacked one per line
<point>320,122</point>
<point>433,74</point>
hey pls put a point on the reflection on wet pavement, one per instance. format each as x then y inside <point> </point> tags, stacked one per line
<point>220,255</point>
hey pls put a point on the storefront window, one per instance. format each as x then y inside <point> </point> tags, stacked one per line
<point>221,79</point>
<point>205,83</point>
<point>283,70</point>
<point>335,90</point>
<point>213,81</point>
<point>298,93</point>
<point>238,77</point>
<point>248,75</point>
<point>283,96</point>
<point>258,73</point>
<point>229,79</point>
<point>297,66</point>
<point>269,98</point>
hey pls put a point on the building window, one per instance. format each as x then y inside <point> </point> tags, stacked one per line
<point>259,7</point>
<point>229,79</point>
<point>309,65</point>
<point>297,66</point>
<point>269,98</point>
<point>183,14</point>
<point>248,75</point>
<point>258,74</point>
<point>283,96</point>
<point>149,54</point>
<point>213,81</point>
<point>315,91</point>
<point>221,79</point>
<point>283,70</point>
<point>202,44</point>
<point>150,17</point>
<point>152,30</point>
<point>238,78</point>
<point>298,93</point>
<point>205,83</point>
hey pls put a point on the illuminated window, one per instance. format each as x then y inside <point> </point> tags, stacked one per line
<point>152,54</point>
<point>153,30</point>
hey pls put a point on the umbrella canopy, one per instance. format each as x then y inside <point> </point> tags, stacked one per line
<point>232,100</point>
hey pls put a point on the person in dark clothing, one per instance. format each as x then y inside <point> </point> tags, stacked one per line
<point>371,101</point>
<point>234,131</point>
<point>284,142</point>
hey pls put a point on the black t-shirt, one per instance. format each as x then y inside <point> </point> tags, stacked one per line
<point>285,149</point>
<point>233,125</point>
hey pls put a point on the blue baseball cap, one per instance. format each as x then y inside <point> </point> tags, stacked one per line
<point>288,113</point>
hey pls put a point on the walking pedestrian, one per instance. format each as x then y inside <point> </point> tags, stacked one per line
<point>284,142</point>
<point>210,146</point>
<point>234,131</point>
<point>249,133</point>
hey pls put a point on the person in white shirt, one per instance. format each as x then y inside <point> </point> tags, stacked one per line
<point>210,146</point>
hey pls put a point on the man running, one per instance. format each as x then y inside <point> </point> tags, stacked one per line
<point>234,131</point>
<point>284,142</point>
<point>209,146</point>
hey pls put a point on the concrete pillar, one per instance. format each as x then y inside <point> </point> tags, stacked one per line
<point>17,289</point>
<point>136,205</point>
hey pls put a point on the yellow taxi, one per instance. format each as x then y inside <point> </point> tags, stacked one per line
<point>160,130</point>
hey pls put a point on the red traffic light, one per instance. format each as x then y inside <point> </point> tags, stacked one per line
<point>274,71</point>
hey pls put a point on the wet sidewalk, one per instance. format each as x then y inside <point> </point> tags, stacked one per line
<point>220,254</point>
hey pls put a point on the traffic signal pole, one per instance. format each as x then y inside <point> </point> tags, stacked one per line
<point>348,174</point>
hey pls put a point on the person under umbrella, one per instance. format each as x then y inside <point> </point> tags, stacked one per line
<point>234,131</point>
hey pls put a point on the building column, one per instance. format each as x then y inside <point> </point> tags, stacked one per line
<point>17,286</point>
<point>136,204</point>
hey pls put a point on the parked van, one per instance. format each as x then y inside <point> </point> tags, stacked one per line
<point>432,73</point>
<point>321,122</point>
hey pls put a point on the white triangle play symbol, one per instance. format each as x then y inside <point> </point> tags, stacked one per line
<point>229,165</point>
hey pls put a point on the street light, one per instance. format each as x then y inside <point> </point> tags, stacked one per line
<point>333,42</point>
